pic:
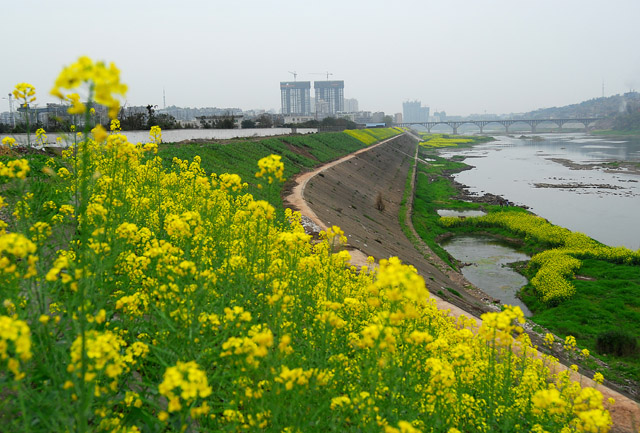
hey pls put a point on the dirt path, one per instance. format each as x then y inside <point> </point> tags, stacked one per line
<point>344,193</point>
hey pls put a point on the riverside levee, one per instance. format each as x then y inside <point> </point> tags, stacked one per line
<point>346,195</point>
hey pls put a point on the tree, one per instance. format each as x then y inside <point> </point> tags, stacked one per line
<point>228,121</point>
<point>247,124</point>
<point>132,122</point>
<point>264,121</point>
<point>388,120</point>
<point>629,120</point>
<point>338,123</point>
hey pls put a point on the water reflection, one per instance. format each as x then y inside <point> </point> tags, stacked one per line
<point>460,213</point>
<point>488,268</point>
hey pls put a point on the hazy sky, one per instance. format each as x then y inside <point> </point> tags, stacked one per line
<point>464,57</point>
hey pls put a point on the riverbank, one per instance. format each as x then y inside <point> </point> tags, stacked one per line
<point>611,133</point>
<point>604,297</point>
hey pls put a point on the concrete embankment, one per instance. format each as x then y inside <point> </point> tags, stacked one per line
<point>349,192</point>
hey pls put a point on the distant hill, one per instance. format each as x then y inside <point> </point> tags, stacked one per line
<point>607,107</point>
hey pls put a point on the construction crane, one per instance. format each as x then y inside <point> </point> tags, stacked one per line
<point>323,73</point>
<point>295,75</point>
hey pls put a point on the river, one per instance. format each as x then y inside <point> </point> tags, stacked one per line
<point>177,135</point>
<point>558,177</point>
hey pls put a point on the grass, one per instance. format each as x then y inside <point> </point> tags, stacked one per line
<point>606,299</point>
<point>298,152</point>
<point>617,133</point>
<point>41,188</point>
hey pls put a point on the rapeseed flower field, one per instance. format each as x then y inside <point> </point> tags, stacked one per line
<point>166,299</point>
<point>439,140</point>
<point>555,267</point>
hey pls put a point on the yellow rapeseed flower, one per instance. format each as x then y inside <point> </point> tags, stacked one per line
<point>102,79</point>
<point>184,382</point>
<point>25,92</point>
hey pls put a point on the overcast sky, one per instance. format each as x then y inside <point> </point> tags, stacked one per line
<point>464,57</point>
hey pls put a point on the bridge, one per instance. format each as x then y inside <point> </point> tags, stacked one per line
<point>533,123</point>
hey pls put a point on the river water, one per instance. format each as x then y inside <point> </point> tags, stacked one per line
<point>487,269</point>
<point>604,204</point>
<point>177,135</point>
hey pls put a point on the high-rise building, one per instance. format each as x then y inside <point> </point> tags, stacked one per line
<point>351,105</point>
<point>413,111</point>
<point>295,97</point>
<point>329,97</point>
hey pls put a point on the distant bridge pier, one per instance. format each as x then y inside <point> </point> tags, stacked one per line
<point>455,126</point>
<point>481,124</point>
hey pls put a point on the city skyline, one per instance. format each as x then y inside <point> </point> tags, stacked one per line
<point>463,57</point>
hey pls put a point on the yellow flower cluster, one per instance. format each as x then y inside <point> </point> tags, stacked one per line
<point>102,349</point>
<point>183,384</point>
<point>17,256</point>
<point>103,81</point>
<point>437,140</point>
<point>25,92</point>
<point>41,136</point>
<point>16,168</point>
<point>16,332</point>
<point>373,135</point>
<point>8,141</point>
<point>114,126</point>
<point>77,107</point>
<point>272,167</point>
<point>155,134</point>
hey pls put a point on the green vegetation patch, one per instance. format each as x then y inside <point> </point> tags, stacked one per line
<point>298,152</point>
<point>606,300</point>
<point>373,135</point>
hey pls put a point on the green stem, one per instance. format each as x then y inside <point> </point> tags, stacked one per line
<point>23,409</point>
<point>82,255</point>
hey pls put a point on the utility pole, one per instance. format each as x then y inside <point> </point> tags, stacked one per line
<point>13,118</point>
<point>164,99</point>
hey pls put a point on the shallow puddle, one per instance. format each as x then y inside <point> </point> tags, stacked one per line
<point>460,213</point>
<point>488,268</point>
